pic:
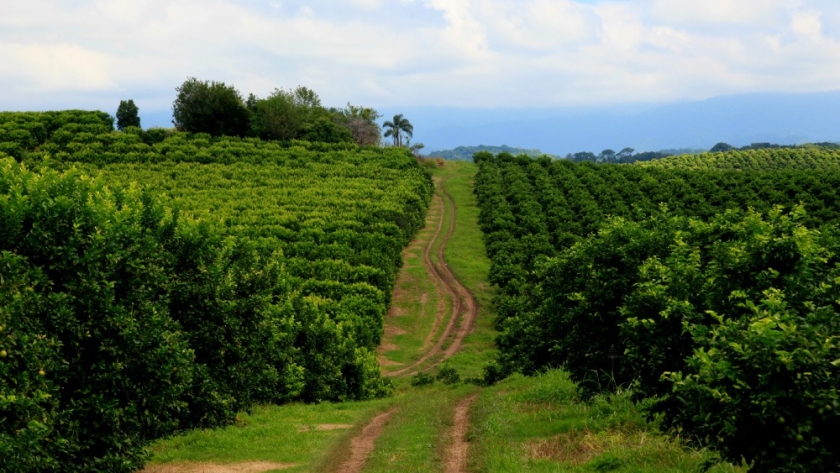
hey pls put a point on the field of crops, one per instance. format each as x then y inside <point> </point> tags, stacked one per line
<point>714,293</point>
<point>213,272</point>
<point>811,157</point>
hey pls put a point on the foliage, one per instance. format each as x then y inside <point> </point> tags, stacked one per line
<point>805,157</point>
<point>274,118</point>
<point>758,300</point>
<point>210,107</point>
<point>127,115</point>
<point>361,122</point>
<point>23,131</point>
<point>89,345</point>
<point>608,156</point>
<point>448,375</point>
<point>465,153</point>
<point>422,379</point>
<point>721,147</point>
<point>324,130</point>
<point>278,295</point>
<point>339,214</point>
<point>725,315</point>
<point>295,115</point>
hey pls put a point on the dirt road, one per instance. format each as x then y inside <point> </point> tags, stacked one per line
<point>464,309</point>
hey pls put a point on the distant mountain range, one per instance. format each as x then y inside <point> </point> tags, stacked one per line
<point>465,153</point>
<point>738,120</point>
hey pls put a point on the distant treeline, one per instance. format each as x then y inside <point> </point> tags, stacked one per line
<point>465,153</point>
<point>629,155</point>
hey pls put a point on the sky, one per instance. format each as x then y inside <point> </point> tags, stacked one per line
<point>416,53</point>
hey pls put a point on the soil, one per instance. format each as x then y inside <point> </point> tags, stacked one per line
<point>324,427</point>
<point>362,444</point>
<point>195,467</point>
<point>458,452</point>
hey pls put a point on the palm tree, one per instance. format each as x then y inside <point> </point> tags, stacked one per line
<point>397,128</point>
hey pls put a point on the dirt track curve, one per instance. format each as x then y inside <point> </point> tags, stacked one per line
<point>460,321</point>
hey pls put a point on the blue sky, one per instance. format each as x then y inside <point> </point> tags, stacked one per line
<point>392,53</point>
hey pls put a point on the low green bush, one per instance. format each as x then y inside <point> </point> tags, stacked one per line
<point>422,379</point>
<point>448,375</point>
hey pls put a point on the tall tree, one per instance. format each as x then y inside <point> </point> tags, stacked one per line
<point>210,107</point>
<point>127,115</point>
<point>397,128</point>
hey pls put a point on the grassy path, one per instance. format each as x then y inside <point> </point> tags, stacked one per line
<point>409,320</point>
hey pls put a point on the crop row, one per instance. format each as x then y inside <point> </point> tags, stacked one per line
<point>712,293</point>
<point>808,157</point>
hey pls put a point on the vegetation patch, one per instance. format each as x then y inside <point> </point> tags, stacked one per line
<point>719,308</point>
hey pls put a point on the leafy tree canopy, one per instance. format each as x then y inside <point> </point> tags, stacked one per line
<point>210,107</point>
<point>127,115</point>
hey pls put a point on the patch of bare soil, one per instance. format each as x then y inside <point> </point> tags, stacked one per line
<point>362,444</point>
<point>324,427</point>
<point>458,452</point>
<point>396,312</point>
<point>196,467</point>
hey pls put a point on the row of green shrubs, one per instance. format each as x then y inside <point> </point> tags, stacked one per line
<point>724,318</point>
<point>732,326</point>
<point>22,131</point>
<point>121,322</point>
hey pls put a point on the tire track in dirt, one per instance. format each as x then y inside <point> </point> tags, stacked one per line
<point>439,288</point>
<point>362,444</point>
<point>458,451</point>
<point>464,306</point>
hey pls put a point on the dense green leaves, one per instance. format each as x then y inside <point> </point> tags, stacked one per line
<point>24,131</point>
<point>278,295</point>
<point>726,316</point>
<point>210,107</point>
<point>127,115</point>
<point>89,345</point>
<point>805,157</point>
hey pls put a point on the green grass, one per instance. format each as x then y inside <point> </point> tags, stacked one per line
<point>282,434</point>
<point>538,424</point>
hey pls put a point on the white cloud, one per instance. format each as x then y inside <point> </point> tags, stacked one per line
<point>51,67</point>
<point>88,53</point>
